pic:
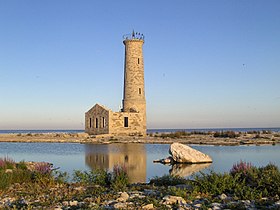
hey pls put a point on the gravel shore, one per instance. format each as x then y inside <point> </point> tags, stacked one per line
<point>203,139</point>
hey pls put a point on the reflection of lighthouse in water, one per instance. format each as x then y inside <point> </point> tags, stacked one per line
<point>132,156</point>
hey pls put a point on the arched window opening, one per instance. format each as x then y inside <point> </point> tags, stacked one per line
<point>96,122</point>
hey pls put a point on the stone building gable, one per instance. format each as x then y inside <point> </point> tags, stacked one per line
<point>97,120</point>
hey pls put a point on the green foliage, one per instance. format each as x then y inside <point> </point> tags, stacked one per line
<point>173,135</point>
<point>266,131</point>
<point>276,135</point>
<point>250,183</point>
<point>177,191</point>
<point>98,176</point>
<point>243,182</point>
<point>119,178</point>
<point>16,176</point>
<point>201,132</point>
<point>147,200</point>
<point>21,165</point>
<point>226,134</point>
<point>214,183</point>
<point>6,163</point>
<point>61,177</point>
<point>253,132</point>
<point>167,180</point>
<point>268,180</point>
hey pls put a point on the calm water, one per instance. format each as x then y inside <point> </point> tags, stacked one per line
<point>138,158</point>
<point>149,130</point>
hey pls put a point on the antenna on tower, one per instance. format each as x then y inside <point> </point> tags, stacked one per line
<point>133,34</point>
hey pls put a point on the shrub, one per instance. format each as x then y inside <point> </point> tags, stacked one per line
<point>167,180</point>
<point>214,183</point>
<point>98,176</point>
<point>227,134</point>
<point>7,163</point>
<point>61,177</point>
<point>266,131</point>
<point>17,176</point>
<point>244,182</point>
<point>201,133</point>
<point>257,136</point>
<point>173,135</point>
<point>119,178</point>
<point>241,167</point>
<point>21,165</point>
<point>268,180</point>
<point>43,168</point>
<point>253,132</point>
<point>177,192</point>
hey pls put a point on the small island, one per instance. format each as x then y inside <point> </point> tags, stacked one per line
<point>228,138</point>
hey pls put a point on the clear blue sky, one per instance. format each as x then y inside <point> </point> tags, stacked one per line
<point>208,64</point>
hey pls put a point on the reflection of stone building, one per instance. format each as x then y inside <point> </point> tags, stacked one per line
<point>132,156</point>
<point>132,118</point>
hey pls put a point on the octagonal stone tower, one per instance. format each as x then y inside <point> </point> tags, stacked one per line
<point>134,89</point>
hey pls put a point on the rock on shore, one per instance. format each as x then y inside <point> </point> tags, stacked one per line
<point>182,153</point>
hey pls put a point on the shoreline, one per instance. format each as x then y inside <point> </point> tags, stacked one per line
<point>196,139</point>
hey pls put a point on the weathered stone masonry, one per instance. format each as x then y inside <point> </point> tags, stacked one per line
<point>131,120</point>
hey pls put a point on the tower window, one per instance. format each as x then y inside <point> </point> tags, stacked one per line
<point>138,60</point>
<point>90,122</point>
<point>103,122</point>
<point>125,122</point>
<point>140,91</point>
<point>96,122</point>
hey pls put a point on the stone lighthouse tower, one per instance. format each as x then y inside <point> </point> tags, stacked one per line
<point>134,89</point>
<point>131,120</point>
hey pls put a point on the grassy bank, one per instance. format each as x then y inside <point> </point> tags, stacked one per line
<point>37,185</point>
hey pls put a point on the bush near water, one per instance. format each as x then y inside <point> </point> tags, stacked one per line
<point>42,186</point>
<point>216,134</point>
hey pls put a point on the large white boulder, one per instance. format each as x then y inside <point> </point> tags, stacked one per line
<point>182,153</point>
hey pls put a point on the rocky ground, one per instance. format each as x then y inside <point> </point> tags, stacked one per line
<point>141,196</point>
<point>207,139</point>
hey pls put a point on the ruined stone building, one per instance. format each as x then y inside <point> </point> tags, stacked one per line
<point>131,120</point>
